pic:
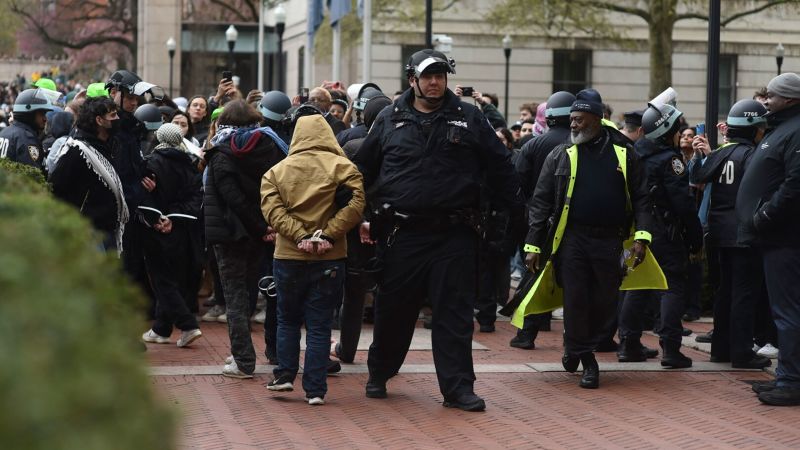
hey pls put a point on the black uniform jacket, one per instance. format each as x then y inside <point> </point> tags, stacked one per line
<point>433,163</point>
<point>20,143</point>
<point>551,191</point>
<point>232,199</point>
<point>668,184</point>
<point>771,185</point>
<point>533,153</point>
<point>722,172</point>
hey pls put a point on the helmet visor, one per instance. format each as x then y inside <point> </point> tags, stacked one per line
<point>433,65</point>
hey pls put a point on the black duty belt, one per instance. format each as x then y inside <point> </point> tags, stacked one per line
<point>597,232</point>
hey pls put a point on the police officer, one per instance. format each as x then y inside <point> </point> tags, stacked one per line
<point>677,230</point>
<point>21,142</point>
<point>741,267</point>
<point>632,125</point>
<point>768,209</point>
<point>529,166</point>
<point>367,92</point>
<point>423,162</point>
<point>588,195</point>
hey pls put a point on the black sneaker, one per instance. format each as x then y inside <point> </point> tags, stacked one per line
<point>282,383</point>
<point>781,396</point>
<point>690,317</point>
<point>704,338</point>
<point>523,342</point>
<point>686,332</point>
<point>756,362</point>
<point>764,386</point>
<point>487,328</point>
<point>376,388</point>
<point>466,402</point>
<point>334,367</point>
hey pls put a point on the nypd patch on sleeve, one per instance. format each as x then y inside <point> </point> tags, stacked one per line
<point>33,151</point>
<point>677,165</point>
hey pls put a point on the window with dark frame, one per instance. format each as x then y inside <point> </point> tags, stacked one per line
<point>572,70</point>
<point>727,84</point>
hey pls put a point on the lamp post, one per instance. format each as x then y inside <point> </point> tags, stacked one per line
<point>231,35</point>
<point>280,26</point>
<point>171,51</point>
<point>507,51</point>
<point>779,52</point>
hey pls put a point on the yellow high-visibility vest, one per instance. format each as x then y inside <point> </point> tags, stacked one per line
<point>546,295</point>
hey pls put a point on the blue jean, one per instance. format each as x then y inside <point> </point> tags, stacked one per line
<point>308,292</point>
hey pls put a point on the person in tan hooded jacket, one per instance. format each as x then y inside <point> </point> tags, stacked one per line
<point>299,200</point>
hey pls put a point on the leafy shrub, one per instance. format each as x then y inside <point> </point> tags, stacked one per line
<point>72,374</point>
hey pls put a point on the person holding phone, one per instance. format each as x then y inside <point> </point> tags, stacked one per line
<point>740,265</point>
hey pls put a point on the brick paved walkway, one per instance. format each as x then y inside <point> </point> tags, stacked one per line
<point>530,403</point>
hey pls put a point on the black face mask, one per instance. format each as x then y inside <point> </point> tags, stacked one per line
<point>116,127</point>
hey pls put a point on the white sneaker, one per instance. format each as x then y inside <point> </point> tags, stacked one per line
<point>232,370</point>
<point>154,338</point>
<point>229,359</point>
<point>558,314</point>
<point>316,401</point>
<point>213,313</point>
<point>189,336</point>
<point>768,351</point>
<point>222,318</point>
<point>260,316</point>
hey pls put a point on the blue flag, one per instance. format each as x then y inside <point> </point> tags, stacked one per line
<point>338,9</point>
<point>315,15</point>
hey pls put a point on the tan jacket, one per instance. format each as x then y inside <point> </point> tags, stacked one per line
<point>297,194</point>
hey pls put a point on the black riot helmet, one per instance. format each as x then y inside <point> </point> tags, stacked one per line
<point>747,113</point>
<point>660,122</point>
<point>429,61</point>
<point>29,102</point>
<point>150,116</point>
<point>365,93</point>
<point>306,109</point>
<point>123,80</point>
<point>558,106</point>
<point>274,105</point>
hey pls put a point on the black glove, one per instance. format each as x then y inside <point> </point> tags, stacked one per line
<point>761,220</point>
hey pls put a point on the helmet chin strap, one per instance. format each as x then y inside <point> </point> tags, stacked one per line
<point>418,94</point>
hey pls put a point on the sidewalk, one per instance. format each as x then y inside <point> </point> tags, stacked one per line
<point>531,403</point>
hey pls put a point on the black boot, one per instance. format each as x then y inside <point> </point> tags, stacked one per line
<point>631,350</point>
<point>591,372</point>
<point>673,358</point>
<point>570,362</point>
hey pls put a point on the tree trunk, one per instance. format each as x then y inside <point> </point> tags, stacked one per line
<point>662,13</point>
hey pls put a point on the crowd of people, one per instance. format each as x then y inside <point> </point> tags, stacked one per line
<point>349,206</point>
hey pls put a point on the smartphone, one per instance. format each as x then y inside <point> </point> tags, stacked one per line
<point>466,91</point>
<point>700,129</point>
<point>227,75</point>
<point>303,94</point>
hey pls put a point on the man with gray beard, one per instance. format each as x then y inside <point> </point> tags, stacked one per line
<point>588,196</point>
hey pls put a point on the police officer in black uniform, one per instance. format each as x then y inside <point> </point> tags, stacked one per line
<point>741,267</point>
<point>529,166</point>
<point>678,230</point>
<point>21,142</point>
<point>423,162</point>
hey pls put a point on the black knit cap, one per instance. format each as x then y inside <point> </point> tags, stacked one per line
<point>588,100</point>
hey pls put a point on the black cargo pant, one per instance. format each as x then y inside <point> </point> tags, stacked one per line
<point>239,270</point>
<point>588,270</point>
<point>742,276</point>
<point>171,273</point>
<point>495,281</point>
<point>440,267</point>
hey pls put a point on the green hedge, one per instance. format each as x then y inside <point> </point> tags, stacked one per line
<point>72,372</point>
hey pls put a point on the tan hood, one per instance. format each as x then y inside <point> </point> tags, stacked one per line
<point>313,133</point>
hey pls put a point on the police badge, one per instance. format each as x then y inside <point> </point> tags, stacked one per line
<point>677,165</point>
<point>34,152</point>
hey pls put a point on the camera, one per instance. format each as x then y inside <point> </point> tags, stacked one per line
<point>467,91</point>
<point>303,94</point>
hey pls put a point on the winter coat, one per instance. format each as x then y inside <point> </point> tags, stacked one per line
<point>298,194</point>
